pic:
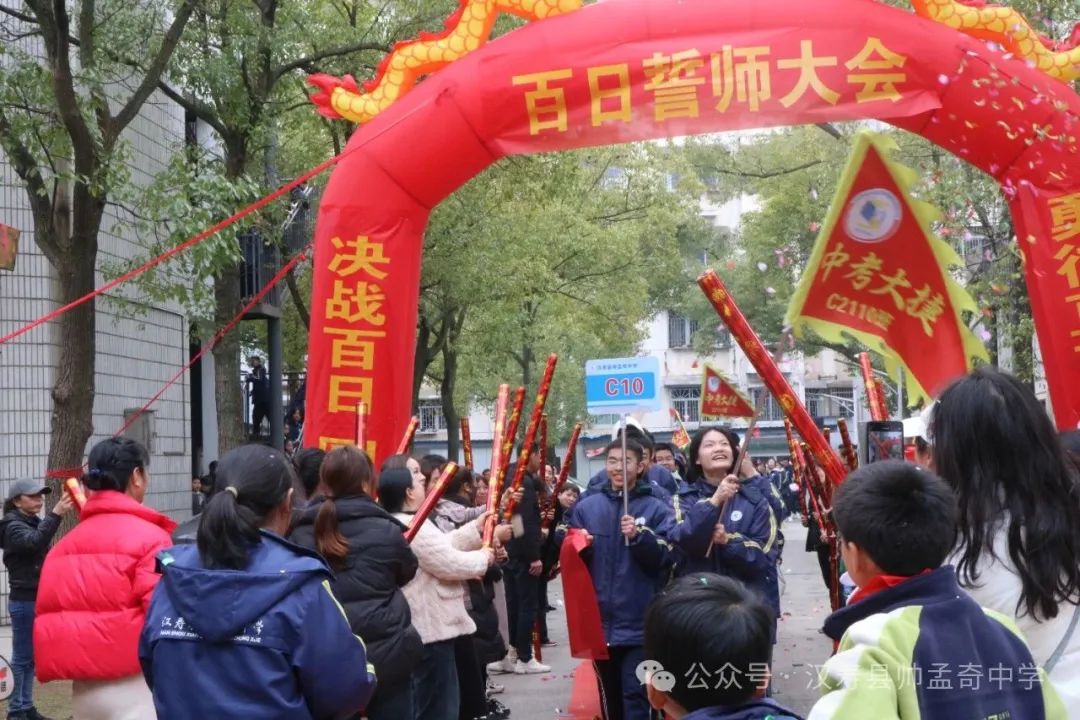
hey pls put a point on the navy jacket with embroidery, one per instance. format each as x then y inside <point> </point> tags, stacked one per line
<point>761,709</point>
<point>751,551</point>
<point>269,641</point>
<point>625,577</point>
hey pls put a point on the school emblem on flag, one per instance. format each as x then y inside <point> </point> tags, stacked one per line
<point>878,274</point>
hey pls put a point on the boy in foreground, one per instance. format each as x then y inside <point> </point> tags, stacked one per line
<point>708,640</point>
<point>912,643</point>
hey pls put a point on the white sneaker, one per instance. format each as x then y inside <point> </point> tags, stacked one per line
<point>504,666</point>
<point>494,688</point>
<point>530,668</point>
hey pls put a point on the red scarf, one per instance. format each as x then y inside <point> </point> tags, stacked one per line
<point>879,583</point>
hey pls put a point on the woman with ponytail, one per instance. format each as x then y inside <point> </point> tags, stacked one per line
<point>244,624</point>
<point>96,585</point>
<point>366,548</point>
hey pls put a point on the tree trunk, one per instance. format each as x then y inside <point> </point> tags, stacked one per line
<point>526,366</point>
<point>73,388</point>
<point>446,390</point>
<point>227,387</point>
<point>231,401</point>
<point>421,359</point>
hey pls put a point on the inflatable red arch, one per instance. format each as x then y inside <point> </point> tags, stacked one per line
<point>629,70</point>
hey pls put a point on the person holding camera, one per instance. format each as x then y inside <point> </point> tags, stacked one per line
<point>25,538</point>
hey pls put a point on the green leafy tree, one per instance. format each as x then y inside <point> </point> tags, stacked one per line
<point>241,72</point>
<point>564,253</point>
<point>64,106</point>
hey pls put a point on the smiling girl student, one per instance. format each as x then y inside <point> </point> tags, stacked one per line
<point>725,524</point>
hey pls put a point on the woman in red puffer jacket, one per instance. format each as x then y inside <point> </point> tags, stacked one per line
<point>96,586</point>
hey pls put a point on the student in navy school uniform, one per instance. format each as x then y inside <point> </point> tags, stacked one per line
<point>629,561</point>
<point>725,525</point>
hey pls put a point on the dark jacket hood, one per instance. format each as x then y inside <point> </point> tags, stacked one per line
<point>349,507</point>
<point>218,604</point>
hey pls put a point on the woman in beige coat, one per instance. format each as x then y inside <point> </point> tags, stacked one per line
<point>436,595</point>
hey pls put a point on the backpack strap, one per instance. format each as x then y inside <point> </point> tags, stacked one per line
<point>1060,649</point>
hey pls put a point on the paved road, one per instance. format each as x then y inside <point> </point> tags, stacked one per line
<point>800,646</point>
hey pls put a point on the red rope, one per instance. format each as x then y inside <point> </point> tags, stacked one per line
<point>257,205</point>
<point>207,347</point>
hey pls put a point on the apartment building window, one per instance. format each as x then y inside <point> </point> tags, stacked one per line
<point>142,429</point>
<point>771,410</point>
<point>686,400</point>
<point>681,330</point>
<point>431,415</point>
<point>830,402</point>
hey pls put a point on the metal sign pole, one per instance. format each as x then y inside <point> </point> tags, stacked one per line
<point>625,477</point>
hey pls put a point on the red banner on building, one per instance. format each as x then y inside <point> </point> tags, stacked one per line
<point>878,274</point>
<point>721,398</point>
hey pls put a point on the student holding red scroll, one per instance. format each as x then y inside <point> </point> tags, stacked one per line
<point>436,595</point>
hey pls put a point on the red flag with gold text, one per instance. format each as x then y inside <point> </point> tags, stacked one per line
<point>680,438</point>
<point>878,274</point>
<point>721,398</point>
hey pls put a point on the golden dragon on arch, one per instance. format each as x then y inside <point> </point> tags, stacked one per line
<point>1007,27</point>
<point>470,27</point>
<point>465,31</point>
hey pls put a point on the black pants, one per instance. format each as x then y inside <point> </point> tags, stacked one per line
<point>521,597</point>
<point>471,681</point>
<point>541,608</point>
<point>390,702</point>
<point>622,697</point>
<point>823,562</point>
<point>259,411</point>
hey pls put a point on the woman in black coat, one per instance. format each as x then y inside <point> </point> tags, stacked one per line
<point>367,549</point>
<point>25,538</point>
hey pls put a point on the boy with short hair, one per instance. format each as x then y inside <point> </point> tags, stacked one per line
<point>629,562</point>
<point>708,642</point>
<point>912,643</point>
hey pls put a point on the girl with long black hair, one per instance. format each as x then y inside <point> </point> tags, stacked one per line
<point>372,563</point>
<point>437,594</point>
<point>1018,544</point>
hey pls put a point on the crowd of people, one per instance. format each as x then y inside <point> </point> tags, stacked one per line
<point>298,595</point>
